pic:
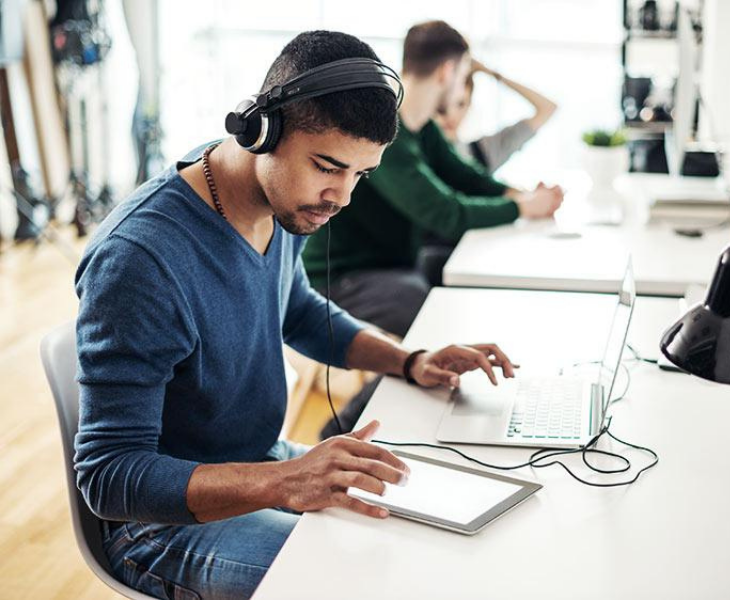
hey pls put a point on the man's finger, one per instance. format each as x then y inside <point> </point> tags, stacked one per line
<point>368,450</point>
<point>343,500</point>
<point>442,376</point>
<point>504,360</point>
<point>500,358</point>
<point>361,481</point>
<point>487,368</point>
<point>367,432</point>
<point>478,358</point>
<point>375,468</point>
<point>498,363</point>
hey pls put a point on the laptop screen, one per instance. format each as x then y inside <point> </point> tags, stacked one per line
<point>617,339</point>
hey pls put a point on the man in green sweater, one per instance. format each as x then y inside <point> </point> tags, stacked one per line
<point>423,190</point>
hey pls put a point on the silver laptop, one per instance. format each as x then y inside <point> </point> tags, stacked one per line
<point>553,411</point>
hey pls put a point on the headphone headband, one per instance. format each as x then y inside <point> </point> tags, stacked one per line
<point>337,76</point>
<point>340,75</point>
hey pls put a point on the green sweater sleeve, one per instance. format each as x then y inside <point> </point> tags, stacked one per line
<point>407,181</point>
<point>464,175</point>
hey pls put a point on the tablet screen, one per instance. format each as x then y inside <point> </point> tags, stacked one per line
<point>442,492</point>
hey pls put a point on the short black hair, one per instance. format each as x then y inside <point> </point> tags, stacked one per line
<point>368,113</point>
<point>428,45</point>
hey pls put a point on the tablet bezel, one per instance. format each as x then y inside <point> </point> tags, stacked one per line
<point>526,489</point>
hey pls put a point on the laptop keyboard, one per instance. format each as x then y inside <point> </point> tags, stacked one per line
<point>549,408</point>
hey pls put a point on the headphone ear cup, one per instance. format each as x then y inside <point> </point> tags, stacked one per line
<point>246,129</point>
<point>273,132</point>
<point>248,136</point>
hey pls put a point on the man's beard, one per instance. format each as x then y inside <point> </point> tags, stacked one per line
<point>288,220</point>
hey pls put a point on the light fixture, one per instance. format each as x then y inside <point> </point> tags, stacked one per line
<point>699,342</point>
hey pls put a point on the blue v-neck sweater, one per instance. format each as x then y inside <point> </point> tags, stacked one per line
<point>180,332</point>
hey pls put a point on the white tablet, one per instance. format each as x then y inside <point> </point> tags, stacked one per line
<point>450,496</point>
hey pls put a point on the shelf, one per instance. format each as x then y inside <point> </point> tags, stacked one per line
<point>652,127</point>
<point>642,34</point>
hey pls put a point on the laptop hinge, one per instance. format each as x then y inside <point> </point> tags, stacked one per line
<point>596,407</point>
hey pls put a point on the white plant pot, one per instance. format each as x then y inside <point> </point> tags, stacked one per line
<point>604,164</point>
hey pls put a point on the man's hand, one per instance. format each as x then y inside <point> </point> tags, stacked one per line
<point>479,67</point>
<point>444,366</point>
<point>540,203</point>
<point>320,478</point>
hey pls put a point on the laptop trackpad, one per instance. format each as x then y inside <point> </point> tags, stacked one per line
<point>478,397</point>
<point>479,412</point>
<point>480,403</point>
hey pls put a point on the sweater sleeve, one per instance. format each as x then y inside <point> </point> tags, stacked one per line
<point>305,323</point>
<point>132,331</point>
<point>464,174</point>
<point>498,147</point>
<point>410,183</point>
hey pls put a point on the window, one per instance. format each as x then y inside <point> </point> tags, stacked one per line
<point>215,54</point>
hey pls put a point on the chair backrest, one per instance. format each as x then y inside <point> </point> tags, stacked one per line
<point>58,352</point>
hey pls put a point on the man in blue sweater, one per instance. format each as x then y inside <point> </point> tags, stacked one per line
<point>187,293</point>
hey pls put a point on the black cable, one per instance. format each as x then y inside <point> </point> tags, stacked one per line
<point>331,334</point>
<point>637,356</point>
<point>542,454</point>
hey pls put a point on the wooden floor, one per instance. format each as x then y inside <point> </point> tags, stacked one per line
<point>38,555</point>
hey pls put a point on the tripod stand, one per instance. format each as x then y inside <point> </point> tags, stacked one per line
<point>26,228</point>
<point>80,44</point>
<point>77,86</point>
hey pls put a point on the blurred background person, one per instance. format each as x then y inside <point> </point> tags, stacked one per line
<point>494,150</point>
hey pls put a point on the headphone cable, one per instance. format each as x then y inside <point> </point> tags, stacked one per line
<point>331,335</point>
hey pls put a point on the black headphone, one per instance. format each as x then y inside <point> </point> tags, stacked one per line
<point>257,121</point>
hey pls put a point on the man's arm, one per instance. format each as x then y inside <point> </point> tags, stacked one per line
<point>358,346</point>
<point>318,479</point>
<point>462,174</point>
<point>544,107</point>
<point>498,147</point>
<point>130,334</point>
<point>306,327</point>
<point>414,189</point>
<point>372,351</point>
<point>470,177</point>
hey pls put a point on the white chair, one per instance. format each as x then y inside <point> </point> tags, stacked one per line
<point>58,352</point>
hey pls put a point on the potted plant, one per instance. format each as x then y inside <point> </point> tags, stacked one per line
<point>605,156</point>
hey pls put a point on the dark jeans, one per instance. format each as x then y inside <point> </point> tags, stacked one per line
<point>387,298</point>
<point>432,259</point>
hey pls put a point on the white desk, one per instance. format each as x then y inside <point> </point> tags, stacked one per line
<point>663,537</point>
<point>528,255</point>
<point>533,255</point>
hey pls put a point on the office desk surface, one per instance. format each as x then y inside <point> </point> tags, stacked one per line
<point>539,255</point>
<point>663,537</point>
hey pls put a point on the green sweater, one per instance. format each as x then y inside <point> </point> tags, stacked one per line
<point>422,186</point>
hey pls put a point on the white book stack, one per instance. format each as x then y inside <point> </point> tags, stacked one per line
<point>689,201</point>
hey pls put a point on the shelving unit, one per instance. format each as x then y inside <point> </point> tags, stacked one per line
<point>650,60</point>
